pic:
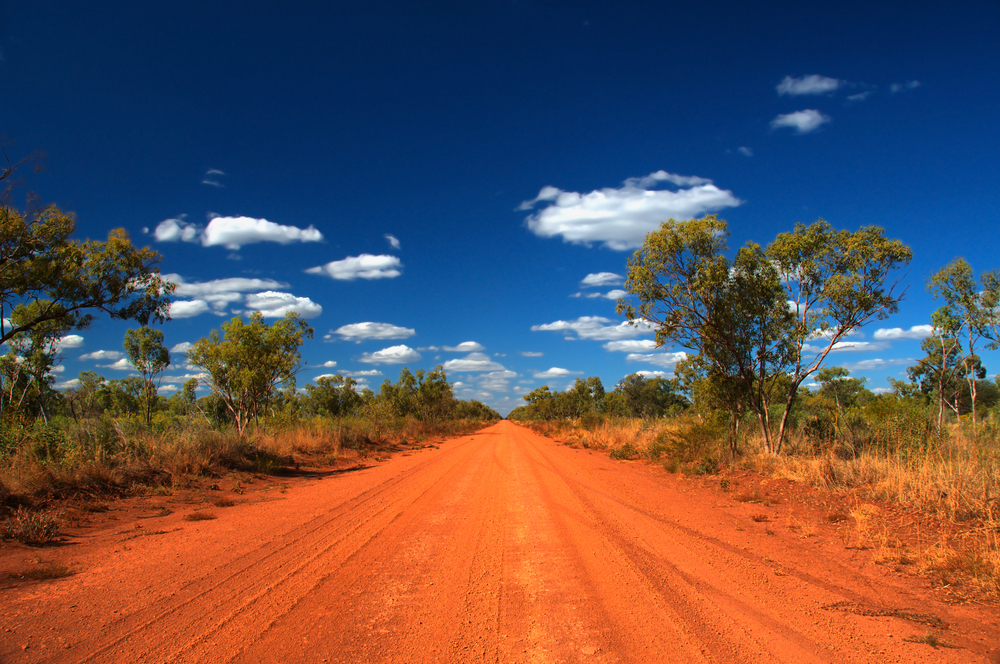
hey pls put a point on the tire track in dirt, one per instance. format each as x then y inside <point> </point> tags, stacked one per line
<point>498,547</point>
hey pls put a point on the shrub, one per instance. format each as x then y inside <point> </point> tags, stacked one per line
<point>626,451</point>
<point>34,528</point>
<point>694,448</point>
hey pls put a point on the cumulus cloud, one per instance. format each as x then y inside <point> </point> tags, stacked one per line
<point>464,347</point>
<point>610,295</point>
<point>631,345</point>
<point>915,332</point>
<point>652,374</point>
<point>392,240</point>
<point>745,151</point>
<point>361,331</point>
<point>68,341</point>
<point>597,279</point>
<point>120,365</point>
<point>802,122</point>
<point>176,229</point>
<point>665,360</point>
<point>903,87</point>
<point>473,362</point>
<point>182,347</point>
<point>70,384</point>
<point>273,304</point>
<point>188,309</point>
<point>233,232</point>
<point>597,328</point>
<point>365,266</point>
<point>531,353</point>
<point>496,381</point>
<point>103,355</point>
<point>356,374</point>
<point>621,218</point>
<point>329,364</point>
<point>392,355</point>
<point>554,372</point>
<point>814,84</point>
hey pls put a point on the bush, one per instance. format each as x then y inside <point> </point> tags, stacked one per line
<point>694,448</point>
<point>625,452</point>
<point>33,528</point>
<point>591,420</point>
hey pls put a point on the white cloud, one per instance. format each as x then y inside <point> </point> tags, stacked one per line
<point>631,345</point>
<point>876,363</point>
<point>621,218</point>
<point>120,365</point>
<point>58,369</point>
<point>915,332</point>
<point>596,328</point>
<point>802,121</point>
<point>392,355</point>
<point>326,375</point>
<point>368,330</point>
<point>188,308</point>
<point>665,360</point>
<point>610,295</point>
<point>473,362</point>
<point>233,232</point>
<point>365,266</point>
<point>595,279</point>
<point>273,304</point>
<point>103,355</point>
<point>848,347</point>
<point>355,374</point>
<point>745,151</point>
<point>212,177</point>
<point>861,96</point>
<point>531,353</point>
<point>392,240</point>
<point>224,290</point>
<point>69,341</point>
<point>182,347</point>
<point>496,381</point>
<point>903,87</point>
<point>464,347</point>
<point>70,384</point>
<point>177,229</point>
<point>329,364</point>
<point>814,84</point>
<point>653,374</point>
<point>554,372</point>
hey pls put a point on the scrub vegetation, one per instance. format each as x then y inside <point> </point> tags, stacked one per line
<point>755,390</point>
<point>106,437</point>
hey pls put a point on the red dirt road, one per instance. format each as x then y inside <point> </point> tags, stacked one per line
<point>502,546</point>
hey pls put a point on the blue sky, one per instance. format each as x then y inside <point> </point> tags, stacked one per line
<point>415,177</point>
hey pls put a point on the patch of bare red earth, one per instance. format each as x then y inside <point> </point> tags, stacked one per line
<point>502,546</point>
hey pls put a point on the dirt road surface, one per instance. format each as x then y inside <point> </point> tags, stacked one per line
<point>502,546</point>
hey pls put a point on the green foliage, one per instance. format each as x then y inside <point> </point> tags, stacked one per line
<point>40,263</point>
<point>145,350</point>
<point>736,315</point>
<point>694,448</point>
<point>249,360</point>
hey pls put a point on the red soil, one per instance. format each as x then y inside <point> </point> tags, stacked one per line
<point>502,546</point>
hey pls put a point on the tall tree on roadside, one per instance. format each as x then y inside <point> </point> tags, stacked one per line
<point>69,279</point>
<point>971,313</point>
<point>249,359</point>
<point>755,317</point>
<point>145,350</point>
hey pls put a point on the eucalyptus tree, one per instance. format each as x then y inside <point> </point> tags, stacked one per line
<point>757,317</point>
<point>145,350</point>
<point>248,360</point>
<point>969,314</point>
